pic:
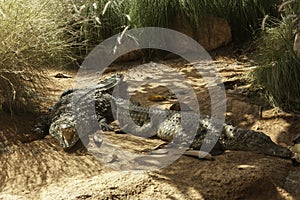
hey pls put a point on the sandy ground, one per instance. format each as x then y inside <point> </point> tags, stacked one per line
<point>38,169</point>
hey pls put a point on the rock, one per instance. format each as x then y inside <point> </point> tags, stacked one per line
<point>180,23</point>
<point>156,98</point>
<point>295,148</point>
<point>295,159</point>
<point>61,75</point>
<point>131,56</point>
<point>180,107</point>
<point>212,35</point>
<point>241,167</point>
<point>215,34</point>
<point>199,154</point>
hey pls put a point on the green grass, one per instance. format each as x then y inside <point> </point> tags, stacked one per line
<point>95,20</point>
<point>279,67</point>
<point>37,34</point>
<point>244,16</point>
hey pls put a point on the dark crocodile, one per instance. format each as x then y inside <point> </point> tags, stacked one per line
<point>60,122</point>
<point>165,124</point>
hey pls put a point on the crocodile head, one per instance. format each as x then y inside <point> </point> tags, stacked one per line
<point>64,131</point>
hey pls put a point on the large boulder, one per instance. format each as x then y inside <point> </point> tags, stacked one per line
<point>131,56</point>
<point>212,33</point>
<point>215,34</point>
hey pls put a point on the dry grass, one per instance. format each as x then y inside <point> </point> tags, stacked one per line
<point>279,70</point>
<point>32,37</point>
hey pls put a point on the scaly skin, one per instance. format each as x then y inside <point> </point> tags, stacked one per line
<point>61,121</point>
<point>166,124</point>
<point>171,129</point>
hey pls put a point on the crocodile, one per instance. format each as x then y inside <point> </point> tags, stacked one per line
<point>60,121</point>
<point>168,125</point>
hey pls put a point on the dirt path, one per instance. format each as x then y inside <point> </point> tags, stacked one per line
<point>41,170</point>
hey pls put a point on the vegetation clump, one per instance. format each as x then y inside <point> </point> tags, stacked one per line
<point>53,33</point>
<point>278,68</point>
<point>32,37</point>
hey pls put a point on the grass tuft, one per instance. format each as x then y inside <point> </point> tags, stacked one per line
<point>279,71</point>
<point>244,16</point>
<point>32,37</point>
<point>46,33</point>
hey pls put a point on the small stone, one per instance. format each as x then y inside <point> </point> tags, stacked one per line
<point>97,139</point>
<point>111,158</point>
<point>240,167</point>
<point>296,159</point>
<point>199,154</point>
<point>295,148</point>
<point>159,152</point>
<point>61,75</point>
<point>156,98</point>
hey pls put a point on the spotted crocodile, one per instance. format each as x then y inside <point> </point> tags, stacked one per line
<point>165,124</point>
<point>169,126</point>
